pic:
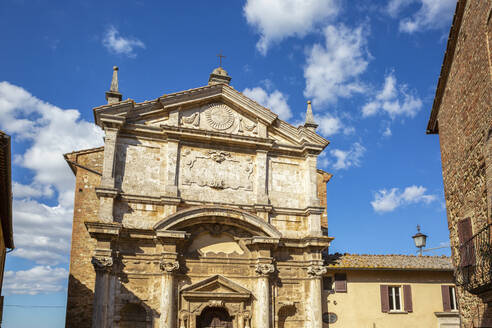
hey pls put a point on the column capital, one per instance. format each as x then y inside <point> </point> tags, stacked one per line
<point>316,271</point>
<point>169,266</point>
<point>264,269</point>
<point>102,263</point>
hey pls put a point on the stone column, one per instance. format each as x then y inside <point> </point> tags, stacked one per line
<point>262,306</point>
<point>102,294</point>
<point>168,300</point>
<point>314,309</point>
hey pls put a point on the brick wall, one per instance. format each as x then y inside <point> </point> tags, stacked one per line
<point>464,121</point>
<point>86,205</point>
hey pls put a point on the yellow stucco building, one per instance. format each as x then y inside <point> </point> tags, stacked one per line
<point>388,291</point>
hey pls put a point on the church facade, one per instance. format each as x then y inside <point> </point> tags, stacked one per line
<point>203,209</point>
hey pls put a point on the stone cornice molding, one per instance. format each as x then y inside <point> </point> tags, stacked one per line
<point>320,242</point>
<point>108,121</point>
<point>170,235</point>
<point>100,230</point>
<point>106,192</point>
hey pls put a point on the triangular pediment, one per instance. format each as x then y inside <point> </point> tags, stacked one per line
<point>215,287</point>
<point>218,109</point>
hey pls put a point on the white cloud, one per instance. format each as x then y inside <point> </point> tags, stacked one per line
<point>394,99</point>
<point>20,190</point>
<point>328,124</point>
<point>332,69</point>
<point>348,158</point>
<point>276,101</point>
<point>120,45</point>
<point>388,200</point>
<point>42,232</point>
<point>37,280</point>
<point>276,20</point>
<point>432,14</point>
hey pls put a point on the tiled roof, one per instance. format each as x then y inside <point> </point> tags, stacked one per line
<point>388,262</point>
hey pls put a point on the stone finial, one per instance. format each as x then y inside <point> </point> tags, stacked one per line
<point>219,75</point>
<point>113,95</point>
<point>310,123</point>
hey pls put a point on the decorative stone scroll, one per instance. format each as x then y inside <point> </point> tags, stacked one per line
<point>315,271</point>
<point>252,128</point>
<point>217,169</point>
<point>219,116</point>
<point>264,269</point>
<point>102,263</point>
<point>169,266</point>
<point>193,119</point>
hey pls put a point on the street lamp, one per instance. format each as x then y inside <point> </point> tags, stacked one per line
<point>419,239</point>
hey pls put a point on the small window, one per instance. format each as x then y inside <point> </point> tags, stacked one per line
<point>394,298</point>
<point>452,298</point>
<point>327,283</point>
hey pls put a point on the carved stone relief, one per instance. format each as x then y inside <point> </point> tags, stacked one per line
<point>192,120</point>
<point>219,116</point>
<point>217,169</point>
<point>315,271</point>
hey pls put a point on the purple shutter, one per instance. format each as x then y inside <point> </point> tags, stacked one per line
<point>385,305</point>
<point>446,300</point>
<point>467,249</point>
<point>407,298</point>
<point>340,283</point>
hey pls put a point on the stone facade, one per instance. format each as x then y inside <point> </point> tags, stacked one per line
<point>201,208</point>
<point>462,115</point>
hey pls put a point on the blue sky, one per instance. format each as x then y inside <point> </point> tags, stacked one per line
<point>370,68</point>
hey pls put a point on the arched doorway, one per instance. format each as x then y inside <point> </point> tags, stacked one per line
<point>214,317</point>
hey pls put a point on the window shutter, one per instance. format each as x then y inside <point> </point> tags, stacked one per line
<point>446,304</point>
<point>407,295</point>
<point>467,251</point>
<point>385,306</point>
<point>340,283</point>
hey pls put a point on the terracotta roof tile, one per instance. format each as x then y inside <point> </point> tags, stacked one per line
<point>388,262</point>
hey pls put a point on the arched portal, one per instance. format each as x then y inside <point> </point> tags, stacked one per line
<point>220,215</point>
<point>214,317</point>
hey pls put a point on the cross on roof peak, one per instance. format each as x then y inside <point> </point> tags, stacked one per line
<point>220,58</point>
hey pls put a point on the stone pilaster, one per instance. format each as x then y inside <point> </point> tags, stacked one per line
<point>314,310</point>
<point>171,178</point>
<point>103,301</point>
<point>261,177</point>
<point>107,190</point>
<point>262,306</point>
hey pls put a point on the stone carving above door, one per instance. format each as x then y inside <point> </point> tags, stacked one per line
<point>216,169</point>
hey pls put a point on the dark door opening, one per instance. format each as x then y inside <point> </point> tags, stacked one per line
<point>214,317</point>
